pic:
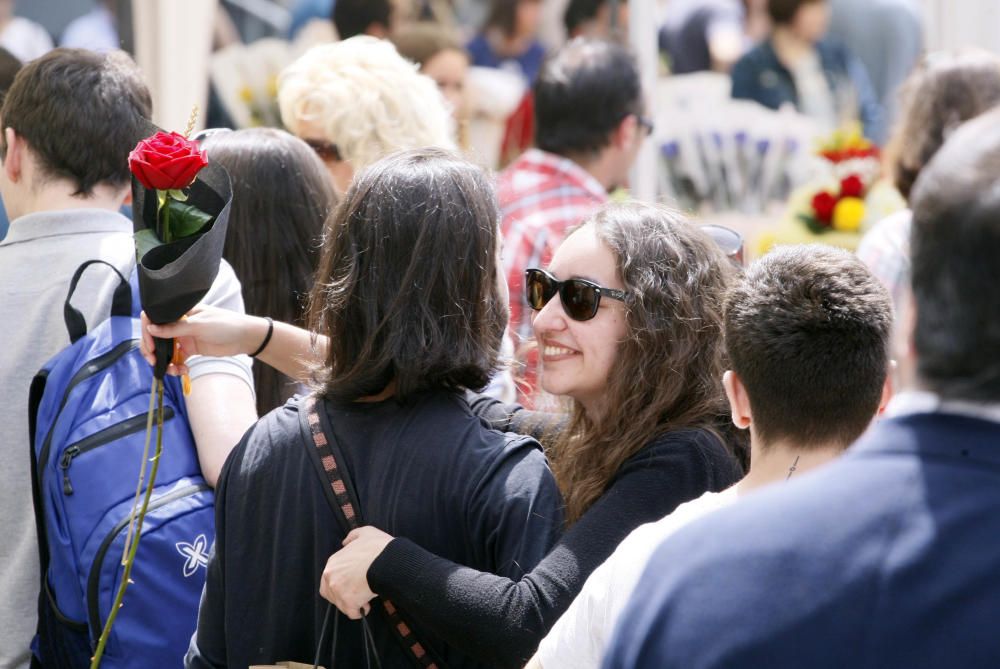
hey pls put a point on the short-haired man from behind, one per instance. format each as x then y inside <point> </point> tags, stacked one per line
<point>807,331</point>
<point>590,120</point>
<point>888,557</point>
<point>69,121</point>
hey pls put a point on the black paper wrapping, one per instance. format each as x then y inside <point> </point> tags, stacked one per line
<point>174,277</point>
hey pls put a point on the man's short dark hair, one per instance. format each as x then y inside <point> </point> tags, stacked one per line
<point>956,264</point>
<point>782,12</point>
<point>81,112</point>
<point>582,94</point>
<point>355,17</point>
<point>407,288</point>
<point>807,331</point>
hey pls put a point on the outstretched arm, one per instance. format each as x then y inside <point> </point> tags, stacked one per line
<point>219,332</point>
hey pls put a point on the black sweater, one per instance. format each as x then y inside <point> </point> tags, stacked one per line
<point>429,470</point>
<point>499,620</point>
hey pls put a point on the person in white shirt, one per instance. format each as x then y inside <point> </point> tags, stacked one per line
<point>807,330</point>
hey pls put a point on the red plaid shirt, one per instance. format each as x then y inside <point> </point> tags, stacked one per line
<point>541,196</point>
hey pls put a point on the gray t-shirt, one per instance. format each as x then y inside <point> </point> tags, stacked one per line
<point>37,259</point>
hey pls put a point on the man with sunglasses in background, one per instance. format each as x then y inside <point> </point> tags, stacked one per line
<point>589,124</point>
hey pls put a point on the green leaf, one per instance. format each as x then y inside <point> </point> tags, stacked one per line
<point>185,219</point>
<point>814,224</point>
<point>145,241</point>
<point>178,195</point>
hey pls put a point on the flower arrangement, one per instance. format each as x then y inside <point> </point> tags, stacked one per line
<point>854,164</point>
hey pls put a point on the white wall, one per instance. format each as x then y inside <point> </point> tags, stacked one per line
<point>954,23</point>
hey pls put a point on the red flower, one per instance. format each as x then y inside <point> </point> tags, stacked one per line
<point>852,186</point>
<point>823,204</point>
<point>166,161</point>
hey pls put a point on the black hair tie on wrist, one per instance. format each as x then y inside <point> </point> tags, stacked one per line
<point>267,338</point>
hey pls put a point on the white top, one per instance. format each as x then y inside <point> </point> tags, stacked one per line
<point>37,260</point>
<point>25,39</point>
<point>95,30</point>
<point>580,637</point>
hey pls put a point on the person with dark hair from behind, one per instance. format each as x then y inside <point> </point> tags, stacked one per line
<point>946,89</point>
<point>70,120</point>
<point>796,66</point>
<point>807,331</point>
<point>362,17</point>
<point>281,198</point>
<point>9,67</point>
<point>593,19</point>
<point>584,151</point>
<point>509,38</point>
<point>400,340</point>
<point>889,556</point>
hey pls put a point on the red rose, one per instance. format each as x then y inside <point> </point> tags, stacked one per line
<point>823,204</point>
<point>166,161</point>
<point>852,186</point>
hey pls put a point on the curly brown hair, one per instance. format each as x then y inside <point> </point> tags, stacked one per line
<point>946,89</point>
<point>668,371</point>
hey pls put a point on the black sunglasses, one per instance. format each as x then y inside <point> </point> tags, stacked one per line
<point>580,298</point>
<point>326,151</point>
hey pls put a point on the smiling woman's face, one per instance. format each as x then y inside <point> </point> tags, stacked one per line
<point>577,356</point>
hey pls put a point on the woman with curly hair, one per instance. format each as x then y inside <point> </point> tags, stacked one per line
<point>629,321</point>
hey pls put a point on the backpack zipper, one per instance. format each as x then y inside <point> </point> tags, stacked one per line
<point>94,578</point>
<point>101,438</point>
<point>90,369</point>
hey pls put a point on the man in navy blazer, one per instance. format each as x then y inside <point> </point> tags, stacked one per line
<point>890,556</point>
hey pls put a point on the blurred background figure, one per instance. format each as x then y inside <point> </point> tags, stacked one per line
<point>440,55</point>
<point>946,89</point>
<point>699,35</point>
<point>509,38</point>
<point>24,39</point>
<point>96,30</point>
<point>363,17</point>
<point>596,19</point>
<point>357,101</point>
<point>281,199</point>
<point>886,35</point>
<point>9,67</point>
<point>796,66</point>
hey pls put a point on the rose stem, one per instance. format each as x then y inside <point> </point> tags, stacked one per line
<point>142,473</point>
<point>95,662</point>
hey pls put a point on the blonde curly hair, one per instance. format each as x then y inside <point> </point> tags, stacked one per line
<point>366,98</point>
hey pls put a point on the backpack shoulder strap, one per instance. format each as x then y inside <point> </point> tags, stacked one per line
<point>329,461</point>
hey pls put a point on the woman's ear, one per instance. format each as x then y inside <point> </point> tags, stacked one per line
<point>739,402</point>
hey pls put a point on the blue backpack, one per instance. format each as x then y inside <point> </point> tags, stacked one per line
<point>88,408</point>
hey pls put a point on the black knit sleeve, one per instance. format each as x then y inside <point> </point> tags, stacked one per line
<point>513,417</point>
<point>500,621</point>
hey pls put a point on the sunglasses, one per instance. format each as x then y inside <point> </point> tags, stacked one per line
<point>327,151</point>
<point>580,298</point>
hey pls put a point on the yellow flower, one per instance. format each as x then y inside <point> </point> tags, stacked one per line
<point>848,214</point>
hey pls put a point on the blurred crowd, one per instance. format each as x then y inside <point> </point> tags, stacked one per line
<point>456,398</point>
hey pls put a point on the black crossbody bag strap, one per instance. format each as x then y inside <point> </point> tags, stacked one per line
<point>330,464</point>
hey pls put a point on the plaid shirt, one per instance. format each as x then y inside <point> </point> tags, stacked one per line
<point>542,195</point>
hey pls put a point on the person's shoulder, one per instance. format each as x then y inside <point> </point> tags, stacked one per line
<point>276,436</point>
<point>695,442</point>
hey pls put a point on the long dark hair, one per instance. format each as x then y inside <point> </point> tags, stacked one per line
<point>281,197</point>
<point>407,287</point>
<point>668,371</point>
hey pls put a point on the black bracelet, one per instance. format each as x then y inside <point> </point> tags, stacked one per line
<point>267,338</point>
